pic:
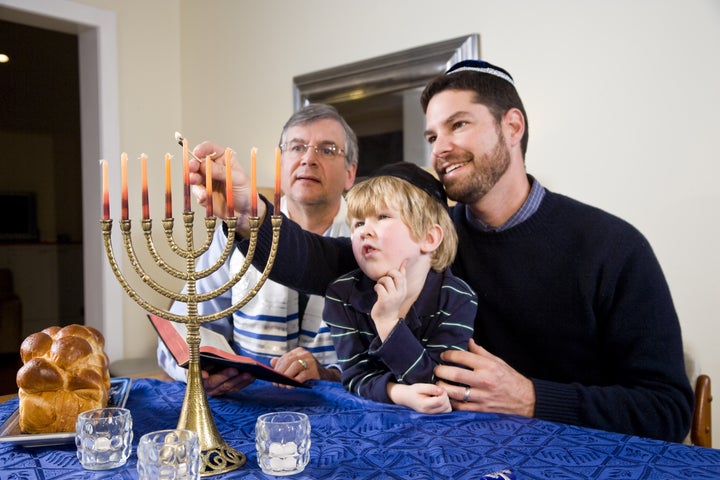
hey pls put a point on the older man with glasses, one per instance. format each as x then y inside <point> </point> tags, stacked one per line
<point>281,327</point>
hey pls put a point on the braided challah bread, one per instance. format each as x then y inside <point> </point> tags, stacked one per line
<point>64,372</point>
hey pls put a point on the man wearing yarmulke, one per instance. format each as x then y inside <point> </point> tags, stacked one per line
<point>575,321</point>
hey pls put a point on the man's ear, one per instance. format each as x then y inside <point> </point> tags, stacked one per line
<point>513,127</point>
<point>433,239</point>
<point>351,173</point>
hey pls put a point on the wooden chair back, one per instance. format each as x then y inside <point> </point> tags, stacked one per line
<point>701,430</point>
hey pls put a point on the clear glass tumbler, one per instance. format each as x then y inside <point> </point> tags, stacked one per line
<point>103,437</point>
<point>169,455</point>
<point>282,440</point>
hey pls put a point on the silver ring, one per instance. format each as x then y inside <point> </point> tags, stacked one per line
<point>467,394</point>
<point>303,363</point>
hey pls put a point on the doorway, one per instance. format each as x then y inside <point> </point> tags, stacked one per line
<point>95,29</point>
<point>40,184</point>
<point>40,174</point>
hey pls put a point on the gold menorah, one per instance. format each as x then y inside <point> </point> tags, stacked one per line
<point>217,456</point>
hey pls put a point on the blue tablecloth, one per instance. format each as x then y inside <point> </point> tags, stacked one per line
<point>353,438</point>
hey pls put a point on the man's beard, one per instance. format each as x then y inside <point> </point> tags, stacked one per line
<point>487,171</point>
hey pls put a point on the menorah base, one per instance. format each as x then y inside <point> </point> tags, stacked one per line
<point>216,455</point>
<point>221,459</point>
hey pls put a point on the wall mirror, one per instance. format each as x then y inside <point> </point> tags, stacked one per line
<point>380,98</point>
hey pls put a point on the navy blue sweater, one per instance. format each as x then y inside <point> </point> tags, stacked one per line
<point>573,298</point>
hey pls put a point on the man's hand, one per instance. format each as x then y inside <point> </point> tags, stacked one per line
<point>240,181</point>
<point>302,366</point>
<point>421,397</point>
<point>493,385</point>
<point>225,381</point>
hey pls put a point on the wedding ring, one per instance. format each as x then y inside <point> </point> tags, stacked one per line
<point>467,394</point>
<point>303,363</point>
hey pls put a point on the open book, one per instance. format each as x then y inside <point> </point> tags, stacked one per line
<point>215,352</point>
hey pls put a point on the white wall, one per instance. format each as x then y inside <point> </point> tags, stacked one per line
<point>622,99</point>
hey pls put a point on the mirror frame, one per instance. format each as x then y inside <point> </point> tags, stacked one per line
<point>394,72</point>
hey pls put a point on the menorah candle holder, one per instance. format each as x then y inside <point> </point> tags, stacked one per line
<point>217,456</point>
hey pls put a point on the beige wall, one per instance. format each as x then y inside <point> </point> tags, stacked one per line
<point>622,100</point>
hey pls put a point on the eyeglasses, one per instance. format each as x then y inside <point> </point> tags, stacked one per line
<point>326,151</point>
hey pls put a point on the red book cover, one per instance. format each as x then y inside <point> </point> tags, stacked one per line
<point>215,352</point>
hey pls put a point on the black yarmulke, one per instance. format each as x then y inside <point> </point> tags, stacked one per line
<point>412,173</point>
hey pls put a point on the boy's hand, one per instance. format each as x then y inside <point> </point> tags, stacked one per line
<point>421,397</point>
<point>391,290</point>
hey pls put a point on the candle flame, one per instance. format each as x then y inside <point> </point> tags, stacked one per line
<point>180,139</point>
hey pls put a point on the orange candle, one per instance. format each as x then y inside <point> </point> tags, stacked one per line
<point>208,187</point>
<point>228,184</point>
<point>253,182</point>
<point>277,181</point>
<point>145,204</point>
<point>168,191</point>
<point>123,169</point>
<point>186,176</point>
<point>105,191</point>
